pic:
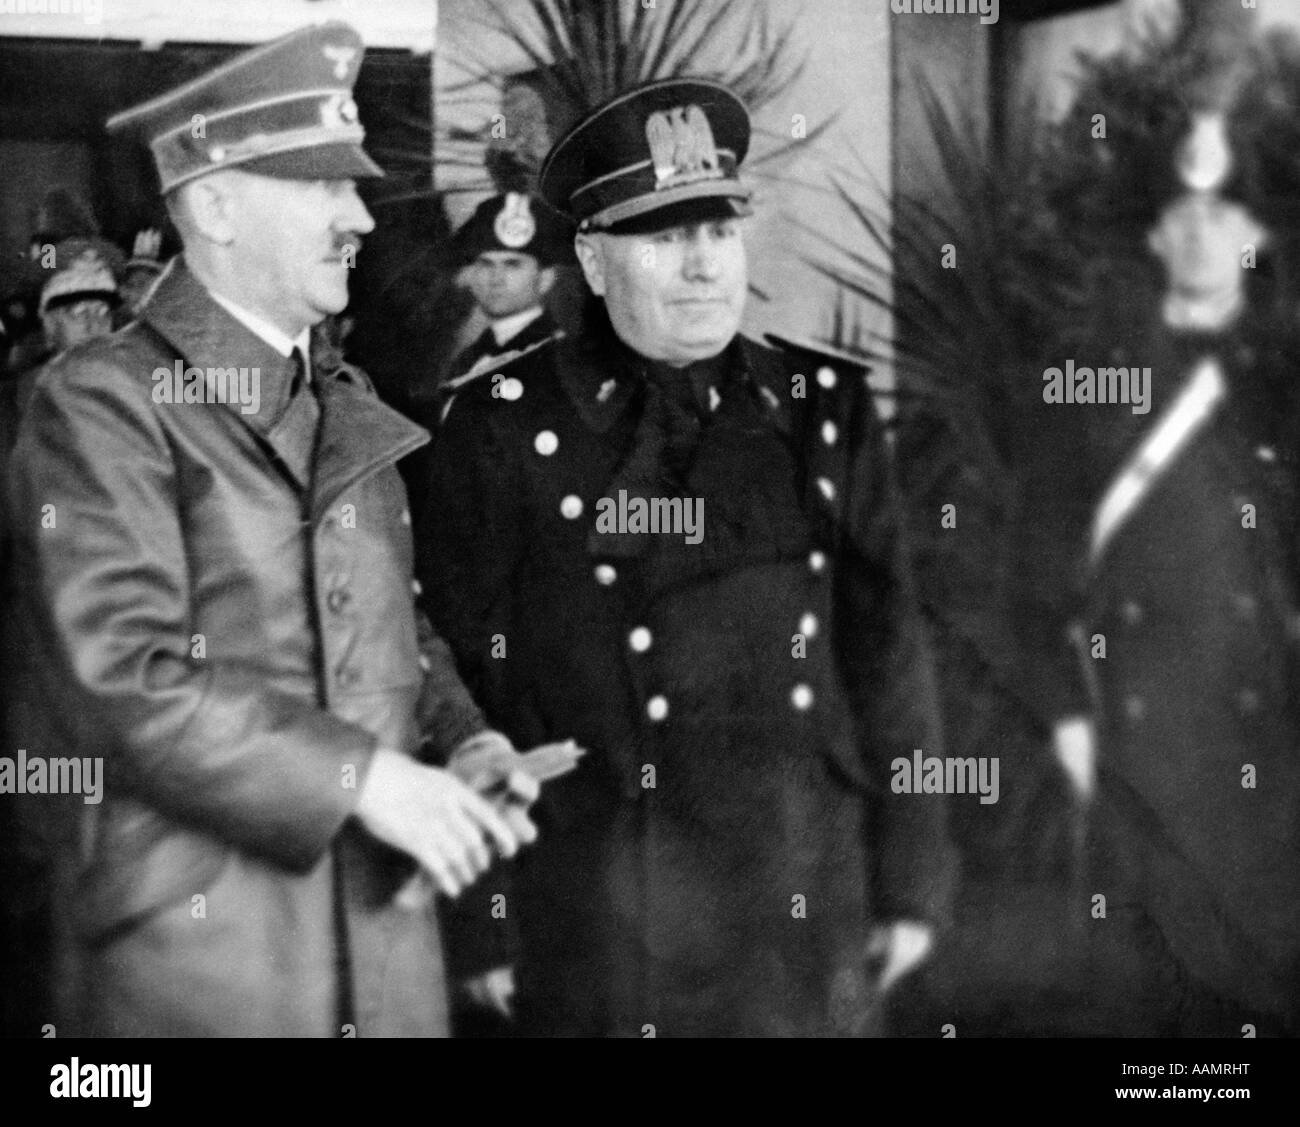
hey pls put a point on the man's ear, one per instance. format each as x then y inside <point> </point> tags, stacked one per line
<point>591,256</point>
<point>210,204</point>
<point>545,280</point>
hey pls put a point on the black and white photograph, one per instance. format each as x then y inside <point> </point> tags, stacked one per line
<point>651,519</point>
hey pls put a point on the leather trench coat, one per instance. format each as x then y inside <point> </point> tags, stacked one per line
<point>223,611</point>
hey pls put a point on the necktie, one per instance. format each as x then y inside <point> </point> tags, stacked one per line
<point>681,413</point>
<point>304,395</point>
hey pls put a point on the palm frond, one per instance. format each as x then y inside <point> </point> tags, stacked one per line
<point>580,53</point>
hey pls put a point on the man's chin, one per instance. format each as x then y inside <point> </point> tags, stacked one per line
<point>695,351</point>
<point>330,304</point>
<point>710,341</point>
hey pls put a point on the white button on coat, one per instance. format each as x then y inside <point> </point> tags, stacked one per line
<point>817,562</point>
<point>511,388</point>
<point>571,507</point>
<point>546,443</point>
<point>605,574</point>
<point>808,625</point>
<point>827,378</point>
<point>801,696</point>
<point>830,433</point>
<point>640,639</point>
<point>657,708</point>
<point>827,488</point>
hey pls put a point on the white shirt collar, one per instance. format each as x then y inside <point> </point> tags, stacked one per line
<point>510,327</point>
<point>264,330</point>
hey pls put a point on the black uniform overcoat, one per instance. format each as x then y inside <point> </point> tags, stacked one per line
<point>712,866</point>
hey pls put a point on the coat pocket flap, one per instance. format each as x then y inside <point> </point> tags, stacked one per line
<point>141,863</point>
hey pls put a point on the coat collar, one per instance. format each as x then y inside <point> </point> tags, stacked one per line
<point>358,433</point>
<point>204,335</point>
<point>602,377</point>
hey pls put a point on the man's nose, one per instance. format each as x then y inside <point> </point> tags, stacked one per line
<point>701,259</point>
<point>353,214</point>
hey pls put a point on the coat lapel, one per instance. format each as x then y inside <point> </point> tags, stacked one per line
<point>203,335</point>
<point>358,433</point>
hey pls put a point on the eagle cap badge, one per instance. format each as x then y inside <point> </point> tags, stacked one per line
<point>341,57</point>
<point>682,148</point>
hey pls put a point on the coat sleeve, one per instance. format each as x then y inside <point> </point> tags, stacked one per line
<point>888,666</point>
<point>108,581</point>
<point>446,715</point>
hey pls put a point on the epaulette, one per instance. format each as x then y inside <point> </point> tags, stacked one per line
<point>818,353</point>
<point>833,383</point>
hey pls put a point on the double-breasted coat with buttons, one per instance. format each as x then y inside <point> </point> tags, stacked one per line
<point>1194,598</point>
<point>219,604</point>
<point>712,865</point>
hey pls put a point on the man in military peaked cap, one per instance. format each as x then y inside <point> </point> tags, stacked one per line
<point>220,605</point>
<point>509,246</point>
<point>679,547</point>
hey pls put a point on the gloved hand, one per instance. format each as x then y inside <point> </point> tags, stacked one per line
<point>899,948</point>
<point>493,990</point>
<point>489,764</point>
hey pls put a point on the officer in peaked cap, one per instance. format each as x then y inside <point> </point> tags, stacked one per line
<point>510,246</point>
<point>225,611</point>
<point>742,680</point>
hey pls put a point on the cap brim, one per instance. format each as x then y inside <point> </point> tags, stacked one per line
<point>340,160</point>
<point>691,203</point>
<point>72,297</point>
